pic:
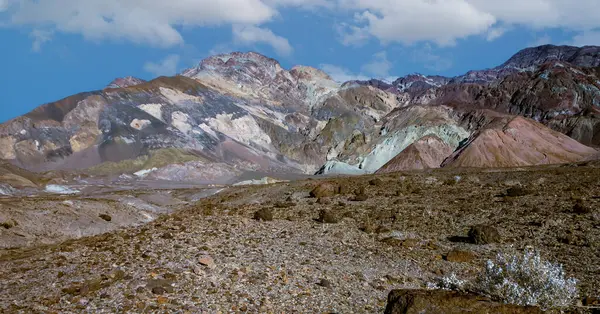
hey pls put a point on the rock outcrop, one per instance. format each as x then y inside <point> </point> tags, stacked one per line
<point>448,302</point>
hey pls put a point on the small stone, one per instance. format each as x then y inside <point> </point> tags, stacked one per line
<point>9,224</point>
<point>198,271</point>
<point>360,198</point>
<point>325,189</point>
<point>324,283</point>
<point>323,201</point>
<point>376,182</point>
<point>207,261</point>
<point>580,209</point>
<point>162,300</point>
<point>344,188</point>
<point>159,286</point>
<point>516,191</point>
<point>410,242</point>
<point>105,217</point>
<point>327,216</point>
<point>458,256</point>
<point>263,214</point>
<point>591,301</point>
<point>484,234</point>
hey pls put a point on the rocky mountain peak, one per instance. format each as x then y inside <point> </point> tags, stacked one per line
<point>126,81</point>
<point>307,73</point>
<point>234,62</point>
<point>406,82</point>
<point>588,56</point>
<point>252,75</point>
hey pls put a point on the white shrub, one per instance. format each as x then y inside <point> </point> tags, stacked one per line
<point>451,282</point>
<point>527,280</point>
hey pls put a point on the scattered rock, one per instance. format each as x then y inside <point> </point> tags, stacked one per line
<point>344,188</point>
<point>159,290</point>
<point>325,189</point>
<point>458,256</point>
<point>448,302</point>
<point>484,234</point>
<point>407,243</point>
<point>580,209</point>
<point>516,191</point>
<point>360,197</point>
<point>376,182</point>
<point>263,214</point>
<point>160,286</point>
<point>327,216</point>
<point>106,217</point>
<point>573,239</point>
<point>410,242</point>
<point>324,283</point>
<point>162,300</point>
<point>207,261</point>
<point>591,301</point>
<point>323,201</point>
<point>9,224</point>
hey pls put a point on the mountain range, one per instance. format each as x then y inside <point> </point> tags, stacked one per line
<point>242,112</point>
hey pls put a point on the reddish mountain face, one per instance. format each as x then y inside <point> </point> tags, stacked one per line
<point>517,141</point>
<point>427,152</point>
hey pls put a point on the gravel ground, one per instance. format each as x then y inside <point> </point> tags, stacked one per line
<point>386,232</point>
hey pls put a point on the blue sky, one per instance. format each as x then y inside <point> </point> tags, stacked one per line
<point>56,48</point>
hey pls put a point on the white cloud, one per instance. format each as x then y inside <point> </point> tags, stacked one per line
<point>40,37</point>
<point>351,35</point>
<point>341,74</point>
<point>141,21</point>
<point>590,38</point>
<point>167,66</point>
<point>248,35</point>
<point>379,67</point>
<point>410,21</point>
<point>496,32</point>
<point>444,22</point>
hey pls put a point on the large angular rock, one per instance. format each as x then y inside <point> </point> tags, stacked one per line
<point>448,302</point>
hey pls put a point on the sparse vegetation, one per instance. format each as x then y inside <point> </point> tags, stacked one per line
<point>527,279</point>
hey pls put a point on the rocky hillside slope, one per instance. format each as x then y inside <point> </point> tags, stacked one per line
<point>243,112</point>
